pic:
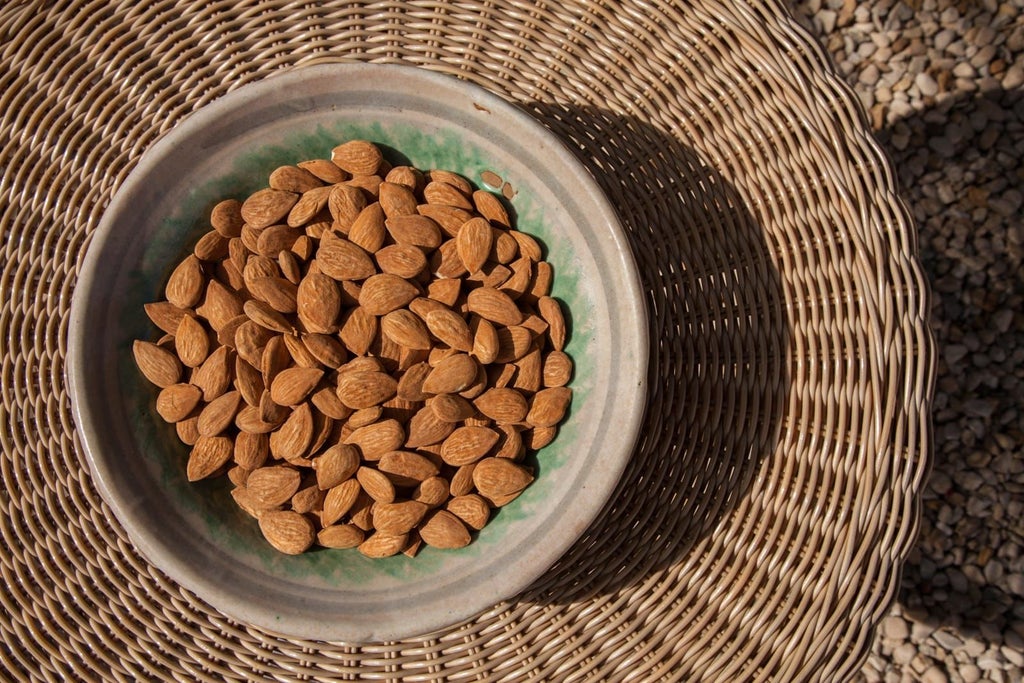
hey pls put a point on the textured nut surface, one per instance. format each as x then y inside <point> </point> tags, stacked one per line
<point>371,354</point>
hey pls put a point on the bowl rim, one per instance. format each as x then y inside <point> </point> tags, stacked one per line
<point>90,273</point>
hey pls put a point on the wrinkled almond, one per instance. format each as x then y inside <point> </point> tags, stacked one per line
<point>209,454</point>
<point>442,529</point>
<point>288,531</point>
<point>160,366</point>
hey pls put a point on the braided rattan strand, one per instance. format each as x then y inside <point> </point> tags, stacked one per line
<point>759,529</point>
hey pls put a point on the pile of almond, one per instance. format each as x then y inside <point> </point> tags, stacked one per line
<point>368,353</point>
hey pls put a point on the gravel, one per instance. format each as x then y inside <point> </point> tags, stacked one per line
<point>942,83</point>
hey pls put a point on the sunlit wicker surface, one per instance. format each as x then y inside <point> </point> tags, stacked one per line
<point>760,528</point>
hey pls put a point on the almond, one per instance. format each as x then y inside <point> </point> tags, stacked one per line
<point>298,352</point>
<point>462,481</point>
<point>451,328</point>
<point>405,468</point>
<point>529,378</point>
<point>438,192</point>
<point>451,375</point>
<point>442,529</point>
<point>213,247</point>
<point>265,316</point>
<point>426,429</point>
<point>248,381</point>
<point>410,385</point>
<point>340,536</point>
<point>396,200</point>
<point>276,292</point>
<point>248,420</point>
<point>471,509</point>
<point>449,218</point>
<point>376,484</point>
<point>291,440</point>
<point>445,262</point>
<point>268,206</point>
<point>467,445</point>
<point>308,499</point>
<point>293,179</point>
<point>403,260</point>
<point>174,403</point>
<point>158,365</point>
<point>335,465</point>
<point>358,157</point>
<point>326,349</point>
<point>445,291</point>
<point>490,207</point>
<point>485,341</point>
<point>292,386</point>
<point>345,203</point>
<point>514,342</point>
<point>325,399</point>
<point>186,285</point>
<point>528,246</point>
<point>288,263</point>
<point>376,439</point>
<point>219,414</point>
<point>549,406</point>
<point>251,450</point>
<point>500,477</point>
<point>250,338</point>
<point>473,243</point>
<point>325,170</point>
<point>276,238</point>
<point>339,501</point>
<point>539,437</point>
<point>540,285</point>
<point>188,430</point>
<point>519,281</point>
<point>365,389</point>
<point>383,545</point>
<point>405,329</point>
<point>502,405</point>
<point>384,293</point>
<point>551,311</point>
<point>368,229</point>
<point>359,330</point>
<point>454,408</point>
<point>340,259</point>
<point>226,217</point>
<point>364,417</point>
<point>273,486</point>
<point>432,491</point>
<point>165,315</point>
<point>209,454</point>
<point>220,305</point>
<point>414,230</point>
<point>399,517</point>
<point>408,176</point>
<point>287,531</point>
<point>510,444</point>
<point>191,342</point>
<point>494,305</point>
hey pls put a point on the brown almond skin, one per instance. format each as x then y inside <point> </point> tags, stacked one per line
<point>158,365</point>
<point>287,531</point>
<point>442,529</point>
<point>549,406</point>
<point>178,400</point>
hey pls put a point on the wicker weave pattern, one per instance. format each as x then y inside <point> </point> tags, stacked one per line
<point>759,530</point>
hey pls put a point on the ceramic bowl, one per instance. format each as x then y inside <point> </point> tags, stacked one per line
<point>193,531</point>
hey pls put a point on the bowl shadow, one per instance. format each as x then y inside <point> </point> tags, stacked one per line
<point>718,341</point>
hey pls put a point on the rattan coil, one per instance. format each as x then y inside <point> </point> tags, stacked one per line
<point>760,527</point>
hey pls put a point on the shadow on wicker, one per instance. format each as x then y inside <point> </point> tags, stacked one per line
<point>718,341</point>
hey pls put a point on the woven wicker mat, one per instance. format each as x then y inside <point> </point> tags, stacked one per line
<point>760,527</point>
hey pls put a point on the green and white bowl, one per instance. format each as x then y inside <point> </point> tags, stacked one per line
<point>194,531</point>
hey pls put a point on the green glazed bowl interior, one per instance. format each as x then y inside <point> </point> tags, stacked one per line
<point>194,531</point>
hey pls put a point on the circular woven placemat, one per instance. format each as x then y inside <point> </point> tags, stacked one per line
<point>760,527</point>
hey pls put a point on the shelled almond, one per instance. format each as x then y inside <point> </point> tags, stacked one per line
<point>368,352</point>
